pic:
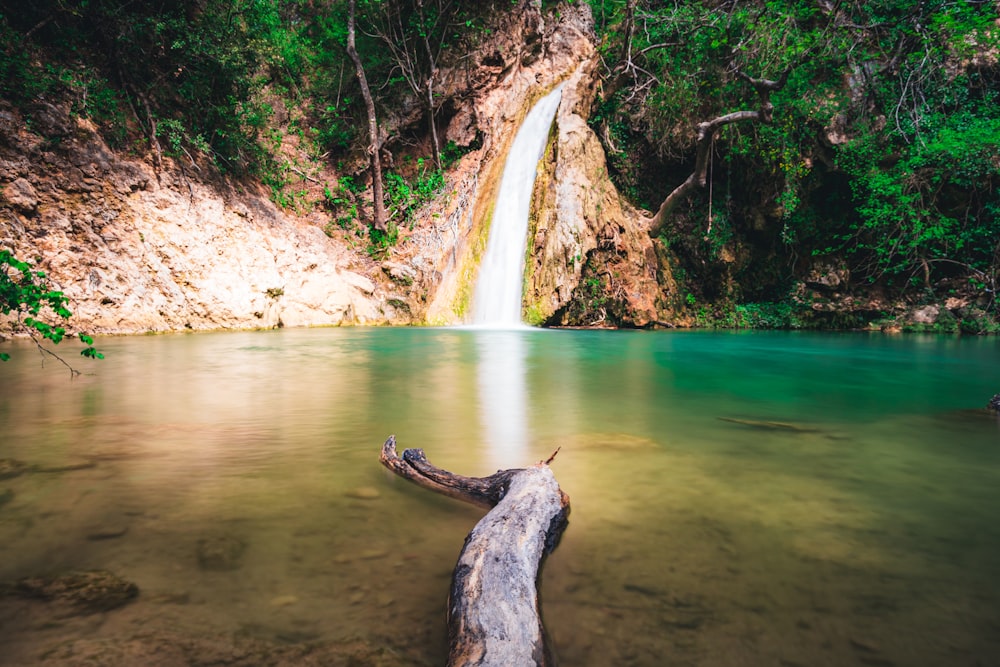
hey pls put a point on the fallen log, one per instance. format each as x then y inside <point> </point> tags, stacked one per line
<point>493,612</point>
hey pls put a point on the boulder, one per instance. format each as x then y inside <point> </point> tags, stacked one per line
<point>22,196</point>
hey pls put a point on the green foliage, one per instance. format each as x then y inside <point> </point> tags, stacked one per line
<point>781,315</point>
<point>27,294</point>
<point>590,302</point>
<point>193,70</point>
<point>936,202</point>
<point>405,197</point>
<point>452,153</point>
<point>22,78</point>
<point>379,242</point>
<point>337,131</point>
<point>340,203</point>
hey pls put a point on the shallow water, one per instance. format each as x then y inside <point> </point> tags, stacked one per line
<point>737,499</point>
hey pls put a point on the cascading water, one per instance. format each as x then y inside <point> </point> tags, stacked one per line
<point>497,301</point>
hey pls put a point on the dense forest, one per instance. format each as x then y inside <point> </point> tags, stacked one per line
<point>871,162</point>
<point>823,160</point>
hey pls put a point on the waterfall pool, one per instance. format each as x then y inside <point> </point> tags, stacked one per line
<point>737,498</point>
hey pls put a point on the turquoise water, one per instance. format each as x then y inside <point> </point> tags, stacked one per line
<point>737,498</point>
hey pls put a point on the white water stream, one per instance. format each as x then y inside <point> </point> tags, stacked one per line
<point>497,301</point>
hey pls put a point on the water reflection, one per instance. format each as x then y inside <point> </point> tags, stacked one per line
<point>503,401</point>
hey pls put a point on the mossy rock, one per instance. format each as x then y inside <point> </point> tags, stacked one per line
<point>89,591</point>
<point>220,552</point>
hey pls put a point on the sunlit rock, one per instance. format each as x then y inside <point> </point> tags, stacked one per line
<point>925,314</point>
<point>21,195</point>
<point>364,493</point>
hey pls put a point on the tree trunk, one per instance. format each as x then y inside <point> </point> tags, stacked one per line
<point>706,137</point>
<point>374,144</point>
<point>433,123</point>
<point>628,31</point>
<point>431,70</point>
<point>493,613</point>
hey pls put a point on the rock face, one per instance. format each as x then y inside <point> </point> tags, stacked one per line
<point>532,55</point>
<point>592,262</point>
<point>138,251</point>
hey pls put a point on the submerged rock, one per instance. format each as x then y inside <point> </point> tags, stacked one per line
<point>88,591</point>
<point>108,532</point>
<point>222,552</point>
<point>994,404</point>
<point>12,468</point>
<point>69,467</point>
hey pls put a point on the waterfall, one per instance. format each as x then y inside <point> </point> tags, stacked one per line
<point>497,301</point>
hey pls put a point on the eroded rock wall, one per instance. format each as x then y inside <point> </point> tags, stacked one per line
<point>140,251</point>
<point>534,53</point>
<point>591,262</point>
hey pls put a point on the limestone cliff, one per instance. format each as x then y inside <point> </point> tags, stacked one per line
<point>139,251</point>
<point>536,54</point>
<point>581,225</point>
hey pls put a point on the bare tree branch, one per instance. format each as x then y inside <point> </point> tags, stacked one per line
<point>706,137</point>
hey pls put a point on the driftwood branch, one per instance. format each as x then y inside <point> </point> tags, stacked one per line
<point>706,138</point>
<point>493,612</point>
